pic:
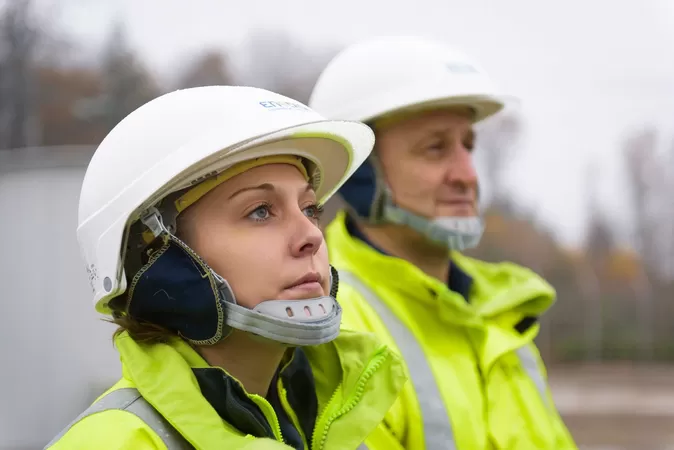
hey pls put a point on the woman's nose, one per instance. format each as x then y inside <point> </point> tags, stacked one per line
<point>307,237</point>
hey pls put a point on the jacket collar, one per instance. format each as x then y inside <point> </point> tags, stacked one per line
<point>502,289</point>
<point>458,280</point>
<point>165,376</point>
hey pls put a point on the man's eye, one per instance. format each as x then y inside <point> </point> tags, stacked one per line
<point>435,150</point>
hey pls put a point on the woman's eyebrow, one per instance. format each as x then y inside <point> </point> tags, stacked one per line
<point>263,187</point>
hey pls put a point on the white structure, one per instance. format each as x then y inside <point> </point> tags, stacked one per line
<point>56,355</point>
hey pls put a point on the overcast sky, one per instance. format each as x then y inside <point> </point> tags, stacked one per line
<point>587,72</point>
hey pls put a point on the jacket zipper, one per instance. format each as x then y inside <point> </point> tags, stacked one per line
<point>269,413</point>
<point>353,400</point>
<point>283,396</point>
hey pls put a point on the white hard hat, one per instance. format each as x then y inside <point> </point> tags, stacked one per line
<point>383,75</point>
<point>181,138</point>
<point>386,76</point>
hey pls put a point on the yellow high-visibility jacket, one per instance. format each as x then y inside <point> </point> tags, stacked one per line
<point>331,396</point>
<point>476,378</point>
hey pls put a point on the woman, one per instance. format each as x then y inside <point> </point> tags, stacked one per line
<point>198,223</point>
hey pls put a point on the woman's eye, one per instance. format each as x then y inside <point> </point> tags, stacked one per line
<point>313,212</point>
<point>260,213</point>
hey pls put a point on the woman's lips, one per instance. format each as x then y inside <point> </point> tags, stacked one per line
<point>311,289</point>
<point>307,286</point>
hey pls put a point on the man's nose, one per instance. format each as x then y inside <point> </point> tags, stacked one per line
<point>461,169</point>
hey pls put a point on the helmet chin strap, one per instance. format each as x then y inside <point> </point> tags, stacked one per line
<point>456,233</point>
<point>292,322</point>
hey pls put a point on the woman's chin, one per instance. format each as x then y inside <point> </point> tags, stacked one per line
<point>304,291</point>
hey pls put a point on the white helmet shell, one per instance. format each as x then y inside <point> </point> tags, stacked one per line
<point>379,76</point>
<point>182,137</point>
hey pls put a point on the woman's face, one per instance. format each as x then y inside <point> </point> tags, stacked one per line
<point>259,231</point>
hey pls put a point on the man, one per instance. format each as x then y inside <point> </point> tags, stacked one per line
<point>464,327</point>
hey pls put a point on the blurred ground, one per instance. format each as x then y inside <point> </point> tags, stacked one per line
<point>617,407</point>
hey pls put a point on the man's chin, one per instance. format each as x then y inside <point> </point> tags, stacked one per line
<point>458,211</point>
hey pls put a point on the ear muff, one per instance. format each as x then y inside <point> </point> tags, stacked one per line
<point>360,191</point>
<point>334,282</point>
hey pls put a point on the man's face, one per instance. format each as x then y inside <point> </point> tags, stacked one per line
<point>428,164</point>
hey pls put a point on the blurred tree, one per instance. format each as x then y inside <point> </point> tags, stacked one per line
<point>20,36</point>
<point>623,265</point>
<point>211,68</point>
<point>651,207</point>
<point>278,63</point>
<point>126,84</point>
<point>517,239</point>
<point>600,240</point>
<point>668,210</point>
<point>645,186</point>
<point>497,140</point>
<point>63,91</point>
<point>599,243</point>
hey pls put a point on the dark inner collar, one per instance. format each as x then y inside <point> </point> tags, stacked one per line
<point>230,401</point>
